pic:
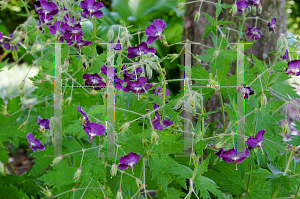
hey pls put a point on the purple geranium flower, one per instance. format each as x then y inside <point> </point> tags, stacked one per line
<point>254,33</point>
<point>129,160</point>
<point>232,155</point>
<point>137,86</point>
<point>8,43</point>
<point>256,142</point>
<point>93,80</point>
<point>242,6</point>
<point>154,31</point>
<point>44,123</point>
<point>253,2</point>
<point>246,91</point>
<point>286,55</point>
<point>46,11</point>
<point>91,8</point>
<point>139,50</point>
<point>127,76</point>
<point>75,33</point>
<point>34,143</point>
<point>93,129</point>
<point>85,118</point>
<point>118,46</point>
<point>80,43</point>
<point>156,122</point>
<point>272,25</point>
<point>293,67</point>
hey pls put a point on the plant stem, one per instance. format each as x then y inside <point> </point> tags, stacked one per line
<point>249,180</point>
<point>202,109</point>
<point>270,71</point>
<point>223,113</point>
<point>297,193</point>
<point>11,167</point>
<point>193,177</point>
<point>4,169</point>
<point>285,171</point>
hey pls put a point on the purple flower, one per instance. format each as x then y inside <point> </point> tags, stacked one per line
<point>85,118</point>
<point>220,152</point>
<point>272,25</point>
<point>256,142</point>
<point>91,8</point>
<point>293,67</point>
<point>93,129</point>
<point>128,161</point>
<point>53,29</point>
<point>93,80</point>
<point>46,11</point>
<point>242,6</point>
<point>44,123</point>
<point>159,92</point>
<point>104,69</point>
<point>118,46</point>
<point>246,91</point>
<point>76,33</point>
<point>234,156</point>
<point>1,36</point>
<point>154,31</point>
<point>70,22</point>
<point>286,55</point>
<point>156,122</point>
<point>8,43</point>
<point>127,76</point>
<point>137,86</point>
<point>139,50</point>
<point>253,2</point>
<point>34,143</point>
<point>254,33</point>
<point>81,43</point>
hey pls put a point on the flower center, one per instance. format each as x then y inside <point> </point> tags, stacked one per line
<point>32,144</point>
<point>42,127</point>
<point>295,70</point>
<point>259,144</point>
<point>75,31</point>
<point>254,33</point>
<point>158,33</point>
<point>137,88</point>
<point>234,158</point>
<point>91,10</point>
<point>93,134</point>
<point>131,164</point>
<point>94,81</point>
<point>140,53</point>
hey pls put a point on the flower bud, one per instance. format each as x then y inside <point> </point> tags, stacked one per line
<point>178,104</point>
<point>286,128</point>
<point>213,84</point>
<point>124,127</point>
<point>110,34</point>
<point>253,9</point>
<point>145,142</point>
<point>22,126</point>
<point>68,101</point>
<point>33,49</point>
<point>57,160</point>
<point>47,192</point>
<point>77,174</point>
<point>114,169</point>
<point>149,71</point>
<point>233,9</point>
<point>247,10</point>
<point>263,100</point>
<point>153,65</point>
<point>197,16</point>
<point>216,54</point>
<point>26,40</point>
<point>37,82</point>
<point>164,40</point>
<point>16,40</point>
<point>139,183</point>
<point>15,55</point>
<point>66,64</point>
<point>259,9</point>
<point>85,63</point>
<point>119,194</point>
<point>21,86</point>
<point>193,158</point>
<point>154,137</point>
<point>180,5</point>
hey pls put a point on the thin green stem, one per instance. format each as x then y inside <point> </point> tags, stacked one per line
<point>270,71</point>
<point>297,193</point>
<point>223,113</point>
<point>11,167</point>
<point>249,179</point>
<point>202,111</point>
<point>275,194</point>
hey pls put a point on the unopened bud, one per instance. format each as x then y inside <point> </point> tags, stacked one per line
<point>15,55</point>
<point>22,126</point>
<point>45,191</point>
<point>114,169</point>
<point>154,137</point>
<point>263,100</point>
<point>33,49</point>
<point>197,16</point>
<point>247,10</point>
<point>21,86</point>
<point>66,64</point>
<point>233,9</point>
<point>26,40</point>
<point>164,40</point>
<point>57,160</point>
<point>253,10</point>
<point>259,9</point>
<point>68,101</point>
<point>145,142</point>
<point>119,194</point>
<point>178,104</point>
<point>153,65</point>
<point>149,71</point>
<point>180,5</point>
<point>193,158</point>
<point>77,174</point>
<point>286,128</point>
<point>110,34</point>
<point>216,54</point>
<point>16,40</point>
<point>124,127</point>
<point>37,82</point>
<point>139,183</point>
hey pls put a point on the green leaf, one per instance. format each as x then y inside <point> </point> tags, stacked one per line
<point>203,166</point>
<point>209,29</point>
<point>4,155</point>
<point>204,184</point>
<point>42,160</point>
<point>284,181</point>
<point>76,128</point>
<point>14,105</point>
<point>200,146</point>
<point>181,170</point>
<point>2,64</point>
<point>12,192</point>
<point>172,193</point>
<point>210,19</point>
<point>295,140</point>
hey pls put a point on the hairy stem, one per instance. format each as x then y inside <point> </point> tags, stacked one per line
<point>223,113</point>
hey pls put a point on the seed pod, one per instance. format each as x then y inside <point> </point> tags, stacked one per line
<point>110,34</point>
<point>119,194</point>
<point>180,5</point>
<point>193,158</point>
<point>145,142</point>
<point>139,183</point>
<point>286,128</point>
<point>114,169</point>
<point>33,49</point>
<point>57,160</point>
<point>253,9</point>
<point>77,174</point>
<point>154,137</point>
<point>15,55</point>
<point>263,100</point>
<point>233,9</point>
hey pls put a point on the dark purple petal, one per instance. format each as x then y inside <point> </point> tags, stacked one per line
<point>167,123</point>
<point>129,160</point>
<point>44,123</point>
<point>293,67</point>
<point>104,69</point>
<point>123,166</point>
<point>251,142</point>
<point>242,6</point>
<point>220,152</point>
<point>260,135</point>
<point>118,46</point>
<point>286,55</point>
<point>272,25</point>
<point>30,137</point>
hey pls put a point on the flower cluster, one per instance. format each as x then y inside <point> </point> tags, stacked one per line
<point>139,51</point>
